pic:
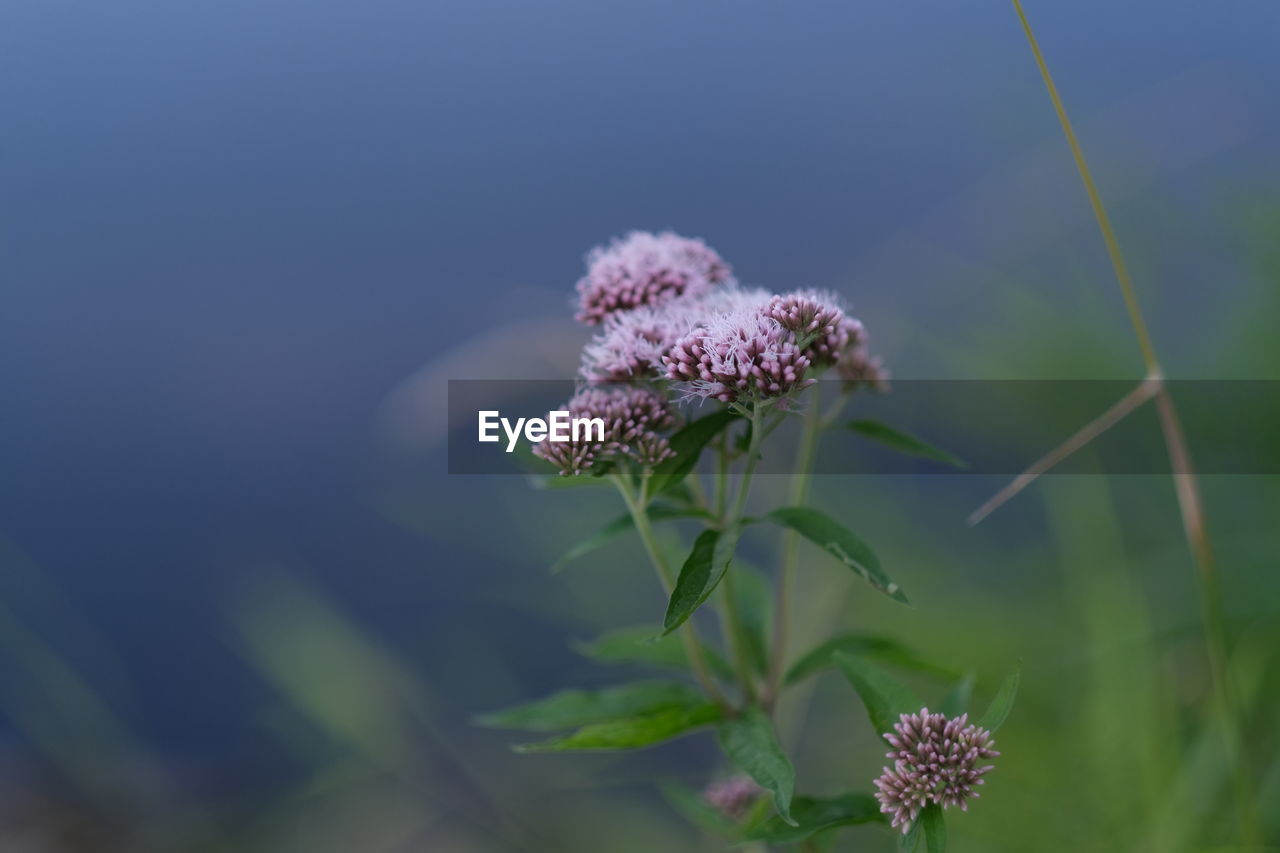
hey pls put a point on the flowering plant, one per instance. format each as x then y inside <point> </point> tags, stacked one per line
<point>673,328</point>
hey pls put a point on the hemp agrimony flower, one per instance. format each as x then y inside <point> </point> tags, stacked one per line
<point>857,367</point>
<point>934,761</point>
<point>633,418</point>
<point>742,355</point>
<point>631,344</point>
<point>646,269</point>
<point>571,457</point>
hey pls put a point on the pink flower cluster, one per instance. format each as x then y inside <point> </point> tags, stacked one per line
<point>670,317</point>
<point>934,761</point>
<point>632,343</point>
<point>634,418</point>
<point>661,318</point>
<point>646,269</point>
<point>740,355</point>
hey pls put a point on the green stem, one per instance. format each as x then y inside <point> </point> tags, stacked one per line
<point>688,634</point>
<point>722,477</point>
<point>753,456</point>
<point>733,638</point>
<point>733,619</point>
<point>800,479</point>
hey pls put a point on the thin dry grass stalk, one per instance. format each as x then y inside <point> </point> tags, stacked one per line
<point>1186,483</point>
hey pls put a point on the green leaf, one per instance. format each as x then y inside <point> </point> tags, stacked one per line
<point>642,645</point>
<point>998,711</point>
<point>570,708</point>
<point>687,443</point>
<point>835,539</point>
<point>621,525</point>
<point>754,598</point>
<point>956,702</point>
<point>632,733</point>
<point>700,575</point>
<point>934,826</point>
<point>904,443</point>
<point>883,649</point>
<point>680,494</point>
<point>885,699</point>
<point>749,741</point>
<point>818,814</point>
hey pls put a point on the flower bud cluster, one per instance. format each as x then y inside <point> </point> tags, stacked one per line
<point>934,761</point>
<point>634,418</point>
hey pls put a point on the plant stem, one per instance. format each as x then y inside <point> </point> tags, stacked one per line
<point>733,637</point>
<point>753,456</point>
<point>688,634</point>
<point>732,619</point>
<point>1186,484</point>
<point>722,477</point>
<point>800,479</point>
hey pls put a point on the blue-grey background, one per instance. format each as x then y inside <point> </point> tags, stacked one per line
<point>243,245</point>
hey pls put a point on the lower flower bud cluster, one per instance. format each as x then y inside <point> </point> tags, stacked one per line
<point>934,761</point>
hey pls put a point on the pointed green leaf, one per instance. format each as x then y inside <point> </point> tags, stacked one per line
<point>599,539</point>
<point>885,699</point>
<point>934,826</point>
<point>883,649</point>
<point>749,741</point>
<point>835,539</point>
<point>680,494</point>
<point>998,711</point>
<point>632,733</point>
<point>956,702</point>
<point>642,645</point>
<point>818,814</point>
<point>687,443</point>
<point>570,708</point>
<point>700,575</point>
<point>904,443</point>
<point>621,525</point>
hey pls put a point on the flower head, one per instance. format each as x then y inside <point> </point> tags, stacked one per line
<point>732,797</point>
<point>631,344</point>
<point>646,269</point>
<point>821,324</point>
<point>808,313</point>
<point>633,418</point>
<point>738,354</point>
<point>934,761</point>
<point>649,449</point>
<point>571,457</point>
<point>857,367</point>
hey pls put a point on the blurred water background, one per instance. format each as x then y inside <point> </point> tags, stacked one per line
<point>244,245</point>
